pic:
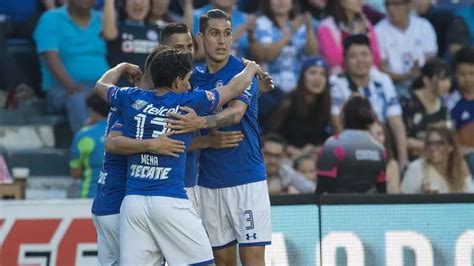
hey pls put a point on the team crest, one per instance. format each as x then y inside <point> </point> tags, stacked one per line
<point>219,83</point>
<point>139,104</point>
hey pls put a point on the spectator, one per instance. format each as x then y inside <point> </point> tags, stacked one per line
<point>376,86</point>
<point>439,17</point>
<point>317,8</point>
<point>306,166</point>
<point>280,174</point>
<point>461,102</point>
<point>467,13</point>
<point>345,19</point>
<point>130,38</point>
<point>73,57</point>
<point>380,134</point>
<point>424,105</point>
<point>87,151</point>
<point>281,39</point>
<point>161,15</point>
<point>305,115</point>
<point>441,169</point>
<point>352,162</point>
<point>241,22</point>
<point>406,42</point>
<point>377,5</point>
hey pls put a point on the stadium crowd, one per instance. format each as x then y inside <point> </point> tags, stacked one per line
<point>406,65</point>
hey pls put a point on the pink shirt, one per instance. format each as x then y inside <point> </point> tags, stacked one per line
<point>331,45</point>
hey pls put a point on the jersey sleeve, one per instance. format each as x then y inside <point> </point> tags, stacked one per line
<point>251,91</point>
<point>80,149</point>
<point>118,125</point>
<point>203,102</point>
<point>329,158</point>
<point>45,34</point>
<point>118,97</point>
<point>430,44</point>
<point>393,105</point>
<point>337,99</point>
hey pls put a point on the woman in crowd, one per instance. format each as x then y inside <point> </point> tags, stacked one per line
<point>345,18</point>
<point>161,15</point>
<point>441,169</point>
<point>380,134</point>
<point>304,116</point>
<point>130,37</point>
<point>281,39</point>
<point>353,162</point>
<point>424,105</point>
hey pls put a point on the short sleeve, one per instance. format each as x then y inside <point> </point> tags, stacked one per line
<point>82,147</point>
<point>118,97</point>
<point>203,102</point>
<point>264,30</point>
<point>380,34</point>
<point>411,182</point>
<point>118,125</point>
<point>45,34</point>
<point>248,94</point>
<point>337,100</point>
<point>328,161</point>
<point>393,105</point>
<point>430,44</point>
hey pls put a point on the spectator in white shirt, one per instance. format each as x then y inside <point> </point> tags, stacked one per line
<point>376,86</point>
<point>441,169</point>
<point>405,42</point>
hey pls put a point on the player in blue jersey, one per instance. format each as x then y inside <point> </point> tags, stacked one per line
<point>112,180</point>
<point>232,182</point>
<point>156,218</point>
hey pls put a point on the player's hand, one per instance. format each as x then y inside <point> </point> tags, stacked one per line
<point>184,123</point>
<point>133,72</point>
<point>224,139</point>
<point>265,82</point>
<point>165,146</point>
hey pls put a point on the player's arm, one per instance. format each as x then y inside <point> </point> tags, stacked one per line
<point>189,122</point>
<point>118,144</point>
<point>111,77</point>
<point>237,84</point>
<point>265,81</point>
<point>217,140</point>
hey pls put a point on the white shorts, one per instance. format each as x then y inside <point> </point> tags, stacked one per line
<point>153,227</point>
<point>237,214</point>
<point>107,227</point>
<point>192,196</point>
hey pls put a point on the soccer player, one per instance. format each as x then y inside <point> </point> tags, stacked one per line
<point>155,194</point>
<point>232,182</point>
<point>112,179</point>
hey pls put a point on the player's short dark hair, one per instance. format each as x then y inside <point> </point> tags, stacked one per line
<point>212,14</point>
<point>358,113</point>
<point>357,39</point>
<point>274,138</point>
<point>167,65</point>
<point>465,56</point>
<point>152,54</point>
<point>172,28</point>
<point>97,104</point>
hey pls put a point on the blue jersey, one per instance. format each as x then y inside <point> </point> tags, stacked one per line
<point>219,168</point>
<point>191,172</point>
<point>143,115</point>
<point>113,176</point>
<point>463,112</point>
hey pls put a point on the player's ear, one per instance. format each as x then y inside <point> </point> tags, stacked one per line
<point>176,84</point>
<point>200,37</point>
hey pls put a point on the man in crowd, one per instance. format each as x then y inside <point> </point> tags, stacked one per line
<point>72,57</point>
<point>372,84</point>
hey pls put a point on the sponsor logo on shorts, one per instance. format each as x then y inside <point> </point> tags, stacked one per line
<point>251,236</point>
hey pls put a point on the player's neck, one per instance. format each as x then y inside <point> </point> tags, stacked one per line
<point>213,66</point>
<point>162,91</point>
